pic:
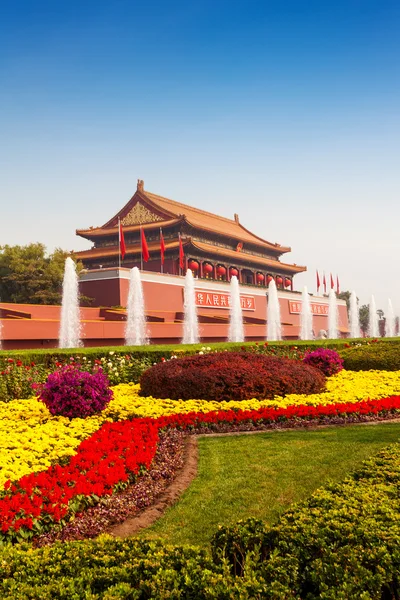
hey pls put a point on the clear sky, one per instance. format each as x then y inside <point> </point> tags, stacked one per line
<point>285,112</point>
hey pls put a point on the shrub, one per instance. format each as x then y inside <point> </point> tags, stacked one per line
<point>383,356</point>
<point>112,569</point>
<point>327,361</point>
<point>344,542</point>
<point>73,393</point>
<point>230,375</point>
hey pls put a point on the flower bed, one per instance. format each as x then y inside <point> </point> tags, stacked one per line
<point>52,467</point>
<point>117,451</point>
<point>31,439</point>
<point>122,504</point>
<point>111,456</point>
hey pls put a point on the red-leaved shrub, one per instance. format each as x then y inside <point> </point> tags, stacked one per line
<point>230,376</point>
<point>73,393</point>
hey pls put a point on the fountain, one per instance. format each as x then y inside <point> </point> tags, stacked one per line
<point>274,326</point>
<point>236,329</point>
<point>135,331</point>
<point>190,322</point>
<point>332,316</point>
<point>70,325</point>
<point>354,316</point>
<point>373,319</point>
<point>390,321</point>
<point>306,317</point>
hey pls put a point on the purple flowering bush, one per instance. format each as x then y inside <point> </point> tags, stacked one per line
<point>70,392</point>
<point>326,360</point>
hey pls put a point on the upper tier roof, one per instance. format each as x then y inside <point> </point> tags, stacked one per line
<point>160,210</point>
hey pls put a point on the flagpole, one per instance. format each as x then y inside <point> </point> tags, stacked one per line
<point>119,243</point>
<point>141,249</point>
<point>162,266</point>
<point>180,270</point>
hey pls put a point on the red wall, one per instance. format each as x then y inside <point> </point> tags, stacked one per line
<point>163,299</point>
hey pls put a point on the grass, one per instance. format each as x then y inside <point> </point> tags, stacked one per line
<point>261,475</point>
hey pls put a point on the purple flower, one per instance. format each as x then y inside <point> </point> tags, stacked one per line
<point>73,393</point>
<point>327,361</point>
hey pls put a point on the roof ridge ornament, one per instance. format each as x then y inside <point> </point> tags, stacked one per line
<point>236,217</point>
<point>140,185</point>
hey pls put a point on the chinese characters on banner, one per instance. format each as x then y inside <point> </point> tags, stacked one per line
<point>206,299</point>
<point>316,309</point>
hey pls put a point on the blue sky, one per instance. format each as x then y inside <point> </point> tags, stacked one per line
<point>284,112</point>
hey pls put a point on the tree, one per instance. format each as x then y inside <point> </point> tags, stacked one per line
<point>345,296</point>
<point>364,318</point>
<point>29,276</point>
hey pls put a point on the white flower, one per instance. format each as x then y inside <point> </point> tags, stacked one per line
<point>111,352</point>
<point>201,352</point>
<point>208,348</point>
<point>109,364</point>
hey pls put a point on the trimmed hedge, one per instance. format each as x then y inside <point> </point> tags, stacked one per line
<point>378,355</point>
<point>155,353</point>
<point>113,569</point>
<point>343,543</point>
<point>230,375</point>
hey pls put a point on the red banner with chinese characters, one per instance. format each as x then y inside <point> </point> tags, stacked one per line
<point>208,299</point>
<point>316,309</point>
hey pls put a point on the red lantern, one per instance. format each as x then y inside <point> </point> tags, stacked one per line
<point>233,272</point>
<point>221,271</point>
<point>207,268</point>
<point>288,282</point>
<point>269,279</point>
<point>193,265</point>
<point>260,278</point>
<point>279,280</point>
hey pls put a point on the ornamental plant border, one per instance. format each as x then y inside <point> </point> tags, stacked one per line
<point>49,356</point>
<point>117,451</point>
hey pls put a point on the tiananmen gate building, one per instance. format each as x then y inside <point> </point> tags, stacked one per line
<point>215,248</point>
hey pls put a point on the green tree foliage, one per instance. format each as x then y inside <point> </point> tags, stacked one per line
<point>364,318</point>
<point>345,296</point>
<point>29,276</point>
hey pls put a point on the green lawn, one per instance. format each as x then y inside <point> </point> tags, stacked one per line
<point>261,475</point>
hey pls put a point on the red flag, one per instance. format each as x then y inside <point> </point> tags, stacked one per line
<point>337,285</point>
<point>181,253</point>
<point>162,246</point>
<point>145,249</point>
<point>332,283</point>
<point>324,282</point>
<point>122,247</point>
<point>318,281</point>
